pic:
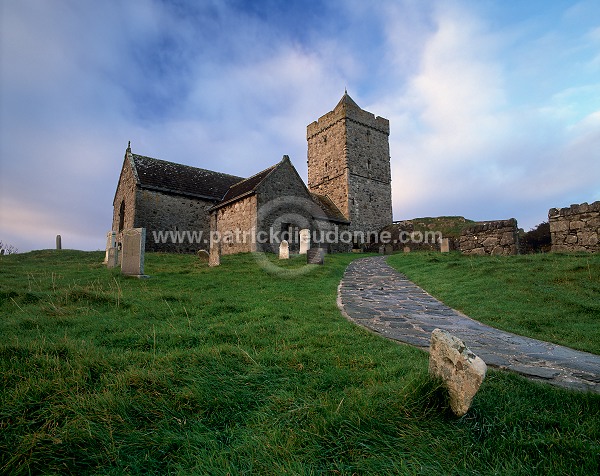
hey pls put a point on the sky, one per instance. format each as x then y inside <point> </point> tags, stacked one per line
<point>494,106</point>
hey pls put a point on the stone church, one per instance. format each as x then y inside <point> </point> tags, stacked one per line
<point>346,202</point>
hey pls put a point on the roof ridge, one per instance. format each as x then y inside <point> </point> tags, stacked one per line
<point>171,177</point>
<point>256,174</point>
<point>246,186</point>
<point>185,165</point>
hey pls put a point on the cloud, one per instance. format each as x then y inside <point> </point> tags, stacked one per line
<point>461,144</point>
<point>477,127</point>
<point>207,86</point>
<point>451,115</point>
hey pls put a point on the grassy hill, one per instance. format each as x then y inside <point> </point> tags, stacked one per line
<point>551,297</point>
<point>233,370</point>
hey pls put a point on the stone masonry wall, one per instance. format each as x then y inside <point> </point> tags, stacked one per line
<point>490,238</point>
<point>327,167</point>
<point>370,174</point>
<point>237,220</point>
<point>187,218</point>
<point>402,234</point>
<point>576,228</point>
<point>125,194</point>
<point>370,203</point>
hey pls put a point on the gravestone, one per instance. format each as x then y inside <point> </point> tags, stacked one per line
<point>304,241</point>
<point>284,250</point>
<point>407,249</point>
<point>382,250</point>
<point>445,245</point>
<point>112,259</point>
<point>315,256</point>
<point>203,256</point>
<point>111,242</point>
<point>132,252</point>
<point>58,242</point>
<point>388,249</point>
<point>214,253</point>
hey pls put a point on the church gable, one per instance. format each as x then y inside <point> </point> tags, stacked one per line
<point>124,200</point>
<point>286,206</point>
<point>282,181</point>
<point>279,180</point>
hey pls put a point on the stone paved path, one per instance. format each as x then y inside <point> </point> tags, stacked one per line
<point>374,295</point>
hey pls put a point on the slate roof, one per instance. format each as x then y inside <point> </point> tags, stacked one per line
<point>246,186</point>
<point>332,212</point>
<point>160,175</point>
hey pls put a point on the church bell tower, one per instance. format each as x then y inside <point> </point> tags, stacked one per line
<point>349,161</point>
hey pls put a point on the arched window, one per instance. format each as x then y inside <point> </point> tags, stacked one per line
<point>122,215</point>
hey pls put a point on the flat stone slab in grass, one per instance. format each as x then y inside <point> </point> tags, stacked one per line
<point>315,256</point>
<point>539,372</point>
<point>376,296</point>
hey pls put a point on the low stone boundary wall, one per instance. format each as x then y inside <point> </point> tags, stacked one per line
<point>402,234</point>
<point>575,228</point>
<point>490,238</point>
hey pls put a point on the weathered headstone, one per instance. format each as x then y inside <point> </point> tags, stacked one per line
<point>284,250</point>
<point>460,369</point>
<point>406,249</point>
<point>304,241</point>
<point>132,252</point>
<point>315,256</point>
<point>382,250</point>
<point>111,242</point>
<point>112,261</point>
<point>58,242</point>
<point>388,249</point>
<point>203,256</point>
<point>445,245</point>
<point>214,253</point>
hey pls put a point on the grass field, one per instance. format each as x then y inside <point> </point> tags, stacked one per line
<point>552,297</point>
<point>232,370</point>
